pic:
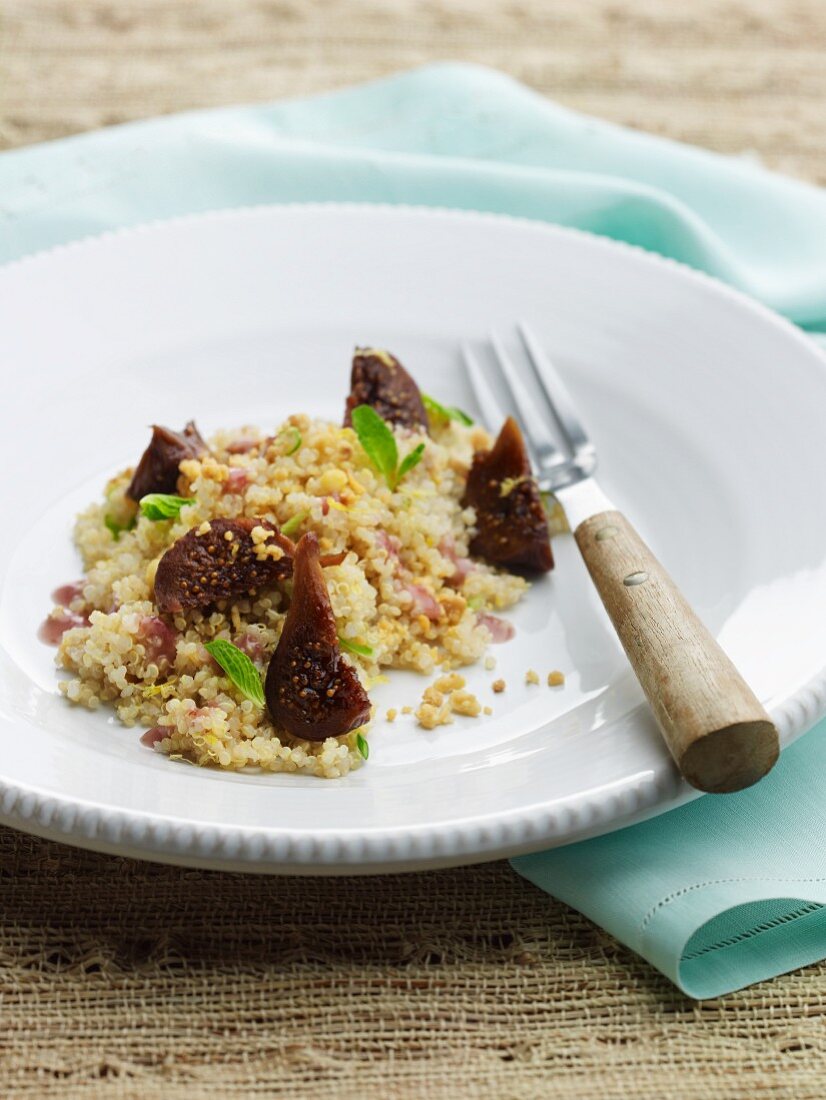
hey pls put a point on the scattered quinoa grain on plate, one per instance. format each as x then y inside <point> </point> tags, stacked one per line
<point>498,686</point>
<point>433,696</point>
<point>438,706</point>
<point>465,702</point>
<point>450,682</point>
<point>431,715</point>
<point>556,679</point>
<point>194,559</point>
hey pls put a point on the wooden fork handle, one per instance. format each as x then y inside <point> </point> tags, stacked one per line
<point>716,729</point>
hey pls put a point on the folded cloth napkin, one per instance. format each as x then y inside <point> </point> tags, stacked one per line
<point>727,890</point>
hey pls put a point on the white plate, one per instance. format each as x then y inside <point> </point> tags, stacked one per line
<point>707,412</point>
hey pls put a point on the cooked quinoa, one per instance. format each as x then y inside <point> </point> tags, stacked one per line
<point>395,591</point>
<point>444,698</point>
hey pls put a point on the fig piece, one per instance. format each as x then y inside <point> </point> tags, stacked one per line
<point>379,379</point>
<point>511,524</point>
<point>221,563</point>
<point>159,467</point>
<point>312,692</point>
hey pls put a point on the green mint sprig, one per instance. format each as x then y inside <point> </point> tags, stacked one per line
<point>288,440</point>
<point>355,647</point>
<point>439,411</point>
<point>239,668</point>
<point>293,523</point>
<point>158,506</point>
<point>380,446</point>
<point>116,528</point>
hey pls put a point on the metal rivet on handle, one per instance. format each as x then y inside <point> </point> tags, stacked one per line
<point>605,533</point>
<point>634,579</point>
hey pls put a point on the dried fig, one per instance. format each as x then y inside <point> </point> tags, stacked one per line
<point>159,468</point>
<point>379,379</point>
<point>311,690</point>
<point>511,524</point>
<point>221,562</point>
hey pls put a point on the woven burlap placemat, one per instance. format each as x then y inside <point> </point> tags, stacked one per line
<point>124,979</point>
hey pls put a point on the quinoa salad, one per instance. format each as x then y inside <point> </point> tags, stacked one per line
<point>242,594</point>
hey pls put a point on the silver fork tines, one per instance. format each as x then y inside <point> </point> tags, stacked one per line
<point>555,468</point>
<point>558,397</point>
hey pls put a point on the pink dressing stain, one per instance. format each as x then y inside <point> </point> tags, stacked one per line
<point>500,629</point>
<point>64,595</point>
<point>424,602</point>
<point>252,645</point>
<point>153,736</point>
<point>237,480</point>
<point>389,543</point>
<point>51,630</point>
<point>242,446</point>
<point>160,640</point>
<point>463,566</point>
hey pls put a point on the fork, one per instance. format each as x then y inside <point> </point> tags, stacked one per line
<point>717,731</point>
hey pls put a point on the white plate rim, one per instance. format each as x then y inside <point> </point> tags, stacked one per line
<point>166,838</point>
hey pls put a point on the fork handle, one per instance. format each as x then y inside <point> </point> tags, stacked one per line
<point>719,734</point>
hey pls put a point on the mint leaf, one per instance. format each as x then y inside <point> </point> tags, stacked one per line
<point>288,440</point>
<point>293,523</point>
<point>409,461</point>
<point>378,441</point>
<point>355,647</point>
<point>117,528</point>
<point>158,506</point>
<point>362,746</point>
<point>239,668</point>
<point>445,412</point>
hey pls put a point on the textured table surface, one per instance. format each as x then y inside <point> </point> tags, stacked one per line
<point>125,979</point>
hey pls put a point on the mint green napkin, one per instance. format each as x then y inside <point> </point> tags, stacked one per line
<point>725,891</point>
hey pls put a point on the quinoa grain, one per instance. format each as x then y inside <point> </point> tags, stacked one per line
<point>390,590</point>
